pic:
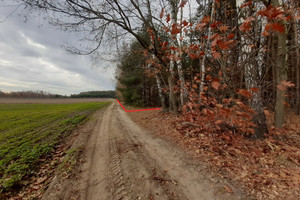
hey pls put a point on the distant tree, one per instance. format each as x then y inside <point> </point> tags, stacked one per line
<point>29,94</point>
<point>95,94</point>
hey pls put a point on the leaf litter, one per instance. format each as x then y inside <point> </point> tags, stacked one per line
<point>266,169</point>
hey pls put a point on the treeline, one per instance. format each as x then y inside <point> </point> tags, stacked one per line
<point>29,94</point>
<point>95,94</point>
<point>43,94</point>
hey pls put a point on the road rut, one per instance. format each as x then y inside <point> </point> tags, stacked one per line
<point>123,161</point>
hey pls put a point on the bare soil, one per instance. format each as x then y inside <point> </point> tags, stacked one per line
<point>51,100</point>
<point>121,160</point>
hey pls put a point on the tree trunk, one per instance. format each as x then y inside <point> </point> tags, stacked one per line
<point>160,93</point>
<point>252,80</point>
<point>202,63</point>
<point>297,66</point>
<point>171,82</point>
<point>176,42</point>
<point>281,72</point>
<point>183,92</point>
<point>172,100</point>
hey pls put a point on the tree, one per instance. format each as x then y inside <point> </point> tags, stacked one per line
<point>251,70</point>
<point>281,70</point>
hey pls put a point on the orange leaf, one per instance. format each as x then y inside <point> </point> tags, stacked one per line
<point>244,93</point>
<point>216,55</point>
<point>230,36</point>
<point>254,89</point>
<point>285,84</point>
<point>223,28</point>
<point>206,19</point>
<point>267,113</point>
<point>193,55</point>
<point>215,85</point>
<point>218,122</point>
<point>208,77</point>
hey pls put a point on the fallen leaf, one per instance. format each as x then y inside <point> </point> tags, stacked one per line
<point>228,189</point>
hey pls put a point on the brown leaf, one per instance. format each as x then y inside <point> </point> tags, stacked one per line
<point>162,13</point>
<point>41,180</point>
<point>228,189</point>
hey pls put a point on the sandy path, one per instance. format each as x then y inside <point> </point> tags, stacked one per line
<point>122,161</point>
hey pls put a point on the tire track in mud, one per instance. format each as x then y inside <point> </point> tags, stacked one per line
<point>97,177</point>
<point>119,189</point>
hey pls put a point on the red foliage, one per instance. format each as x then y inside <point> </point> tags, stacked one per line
<point>245,93</point>
<point>216,54</point>
<point>215,85</point>
<point>175,29</point>
<point>270,27</point>
<point>246,26</point>
<point>168,18</point>
<point>185,23</point>
<point>223,28</point>
<point>285,84</point>
<point>162,13</point>
<point>205,19</point>
<point>182,4</point>
<point>271,13</point>
<point>210,115</point>
<point>246,4</point>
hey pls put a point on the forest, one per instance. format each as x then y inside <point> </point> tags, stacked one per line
<point>231,62</point>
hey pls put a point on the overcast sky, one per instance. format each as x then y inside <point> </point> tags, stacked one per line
<point>31,58</point>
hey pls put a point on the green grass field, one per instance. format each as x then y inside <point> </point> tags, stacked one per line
<point>30,131</point>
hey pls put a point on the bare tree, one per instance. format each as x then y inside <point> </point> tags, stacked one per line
<point>95,18</point>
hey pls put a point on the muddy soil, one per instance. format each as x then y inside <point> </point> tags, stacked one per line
<point>123,161</point>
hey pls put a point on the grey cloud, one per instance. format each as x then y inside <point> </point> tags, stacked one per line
<point>31,57</point>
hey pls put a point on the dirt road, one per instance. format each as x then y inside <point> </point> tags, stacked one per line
<point>122,161</point>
